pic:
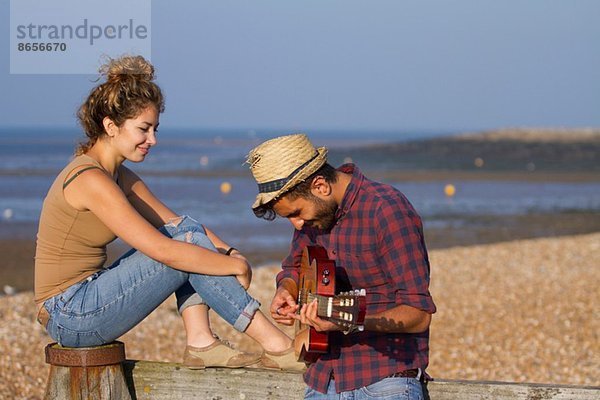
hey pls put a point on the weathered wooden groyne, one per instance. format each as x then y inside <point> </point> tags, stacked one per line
<point>103,373</point>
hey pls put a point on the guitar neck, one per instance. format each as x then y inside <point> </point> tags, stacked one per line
<point>324,304</point>
<point>347,309</point>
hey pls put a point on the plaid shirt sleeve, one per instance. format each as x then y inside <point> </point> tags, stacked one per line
<point>291,263</point>
<point>404,257</point>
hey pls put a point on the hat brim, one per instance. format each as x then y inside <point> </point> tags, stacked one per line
<point>311,168</point>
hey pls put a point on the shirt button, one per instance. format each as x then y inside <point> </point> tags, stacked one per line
<point>333,252</point>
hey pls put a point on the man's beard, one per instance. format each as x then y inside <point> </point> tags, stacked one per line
<point>324,213</point>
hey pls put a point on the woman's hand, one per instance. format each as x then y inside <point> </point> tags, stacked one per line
<point>245,276</point>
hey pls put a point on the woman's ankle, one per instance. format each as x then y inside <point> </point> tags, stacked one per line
<point>278,345</point>
<point>270,337</point>
<point>201,340</point>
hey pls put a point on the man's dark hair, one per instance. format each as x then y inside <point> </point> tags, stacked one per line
<point>301,190</point>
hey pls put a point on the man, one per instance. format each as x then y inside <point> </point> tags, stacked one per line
<point>373,233</point>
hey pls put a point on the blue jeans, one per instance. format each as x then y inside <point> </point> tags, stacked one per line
<point>109,303</point>
<point>387,388</point>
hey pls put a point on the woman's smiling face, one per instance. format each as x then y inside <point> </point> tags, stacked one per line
<point>134,138</point>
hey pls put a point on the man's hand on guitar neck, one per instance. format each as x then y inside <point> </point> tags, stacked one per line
<point>308,316</point>
<point>283,305</point>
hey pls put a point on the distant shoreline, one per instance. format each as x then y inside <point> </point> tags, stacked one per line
<point>521,154</point>
<point>511,176</point>
<point>543,135</point>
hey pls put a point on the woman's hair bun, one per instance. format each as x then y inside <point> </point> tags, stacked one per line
<point>126,68</point>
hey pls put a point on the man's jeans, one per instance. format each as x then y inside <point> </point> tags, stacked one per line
<point>112,301</point>
<point>396,388</point>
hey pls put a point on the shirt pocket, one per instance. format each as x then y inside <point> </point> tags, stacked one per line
<point>362,269</point>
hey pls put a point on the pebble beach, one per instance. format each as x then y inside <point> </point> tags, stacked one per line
<point>518,311</point>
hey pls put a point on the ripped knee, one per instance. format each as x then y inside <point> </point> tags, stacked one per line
<point>175,221</point>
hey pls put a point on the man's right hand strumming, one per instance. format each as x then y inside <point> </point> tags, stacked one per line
<point>284,302</point>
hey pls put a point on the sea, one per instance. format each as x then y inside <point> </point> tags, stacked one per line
<point>201,173</point>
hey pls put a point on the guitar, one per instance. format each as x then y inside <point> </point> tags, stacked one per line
<point>317,281</point>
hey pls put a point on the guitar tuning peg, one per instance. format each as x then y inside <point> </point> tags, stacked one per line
<point>361,328</point>
<point>363,292</point>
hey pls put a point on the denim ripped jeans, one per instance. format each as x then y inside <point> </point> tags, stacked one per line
<point>109,303</point>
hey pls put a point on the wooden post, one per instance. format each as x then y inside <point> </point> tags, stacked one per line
<point>94,373</point>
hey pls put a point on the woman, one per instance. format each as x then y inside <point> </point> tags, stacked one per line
<point>96,199</point>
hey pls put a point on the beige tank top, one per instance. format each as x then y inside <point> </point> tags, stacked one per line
<point>71,244</point>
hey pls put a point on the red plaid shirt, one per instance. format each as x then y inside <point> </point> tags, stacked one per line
<point>377,240</point>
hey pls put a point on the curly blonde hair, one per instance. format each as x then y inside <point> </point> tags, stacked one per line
<point>128,90</point>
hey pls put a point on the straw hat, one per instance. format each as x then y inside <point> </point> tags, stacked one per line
<point>280,164</point>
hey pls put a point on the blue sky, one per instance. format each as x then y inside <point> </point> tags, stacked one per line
<point>351,65</point>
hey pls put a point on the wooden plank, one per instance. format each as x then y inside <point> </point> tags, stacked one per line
<point>158,381</point>
<point>481,390</point>
<point>168,381</point>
